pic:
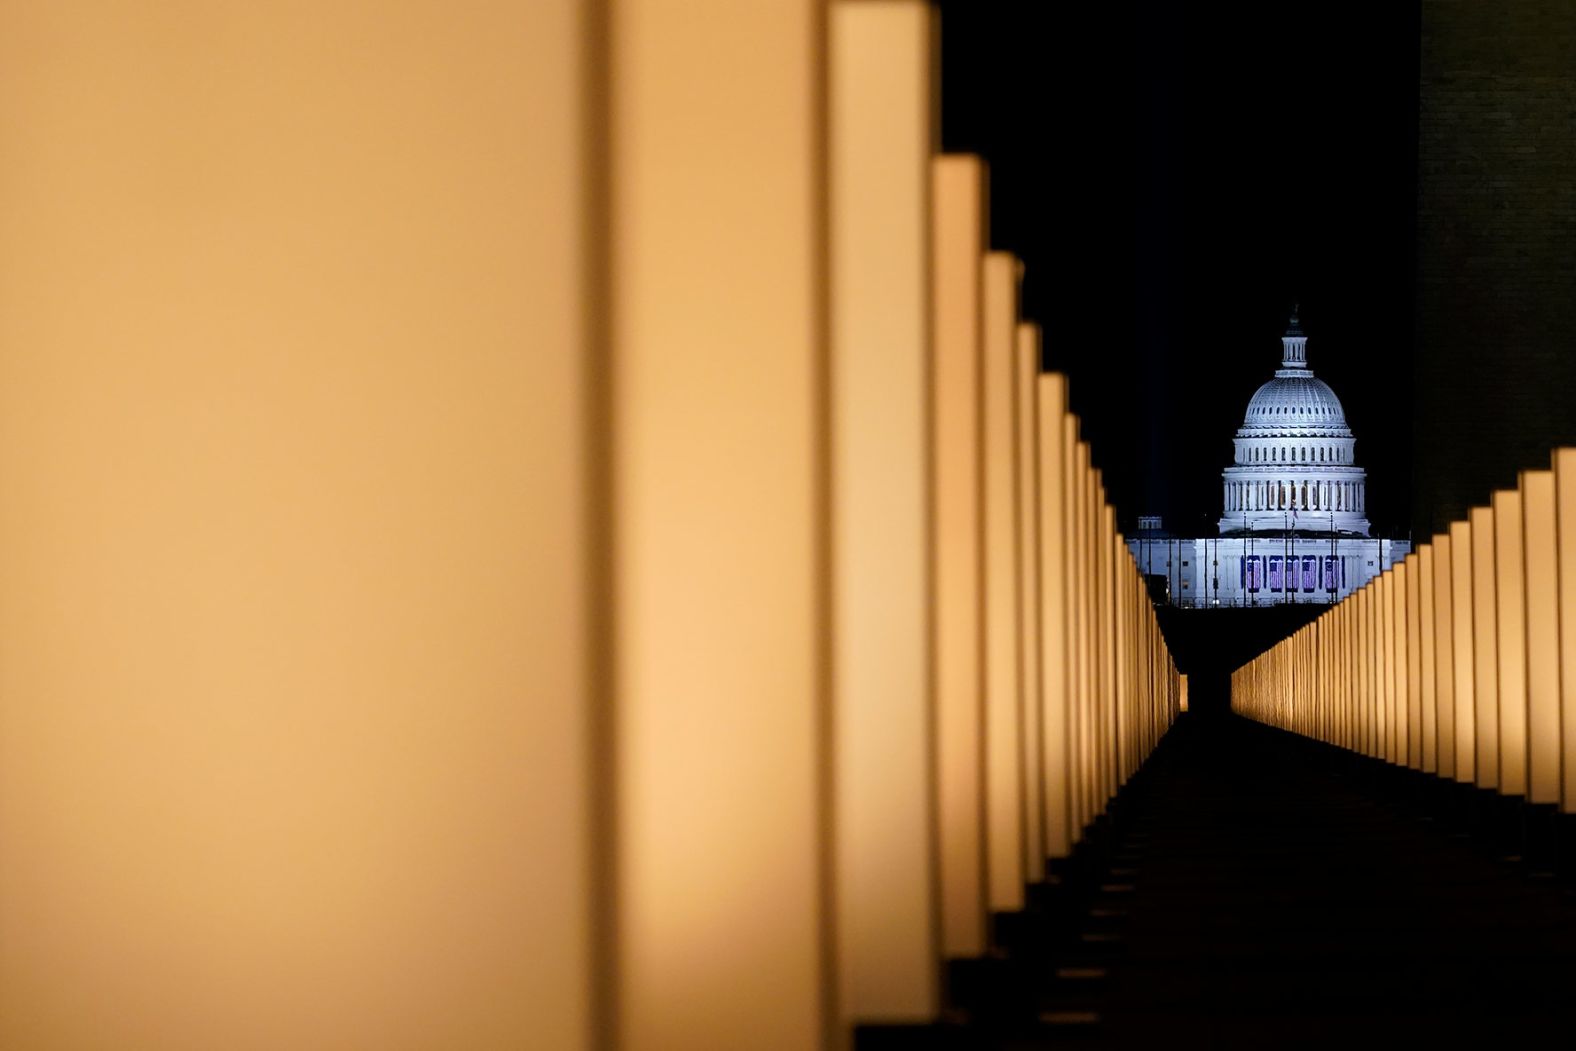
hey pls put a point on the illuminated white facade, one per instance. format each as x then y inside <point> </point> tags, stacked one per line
<point>1294,525</point>
<point>1261,570</point>
<point>1295,467</point>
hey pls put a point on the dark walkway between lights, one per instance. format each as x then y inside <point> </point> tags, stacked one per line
<point>1259,890</point>
<point>1285,894</point>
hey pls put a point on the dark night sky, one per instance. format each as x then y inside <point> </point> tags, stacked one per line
<point>1174,177</point>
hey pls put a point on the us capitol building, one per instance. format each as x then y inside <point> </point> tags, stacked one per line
<point>1293,527</point>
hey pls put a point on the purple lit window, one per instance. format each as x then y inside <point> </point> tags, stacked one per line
<point>1275,572</point>
<point>1252,572</point>
<point>1310,573</point>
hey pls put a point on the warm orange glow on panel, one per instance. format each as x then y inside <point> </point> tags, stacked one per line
<point>1099,675</point>
<point>1444,654</point>
<point>1485,659</point>
<point>1121,563</point>
<point>1426,683</point>
<point>957,219</point>
<point>1379,608</point>
<point>881,90</point>
<point>1083,624</point>
<point>1413,666</point>
<point>1107,620</point>
<point>720,622</point>
<point>1027,358</point>
<point>1094,800</point>
<point>1540,591</point>
<point>1077,630</point>
<point>1182,696</point>
<point>1056,429</point>
<point>1359,651</point>
<point>1511,651</point>
<point>1399,688</point>
<point>1372,651</point>
<point>1464,652</point>
<point>1345,680</point>
<point>1384,652</point>
<point>295,696</point>
<point>1003,629</point>
<point>1565,521</point>
<point>1374,661</point>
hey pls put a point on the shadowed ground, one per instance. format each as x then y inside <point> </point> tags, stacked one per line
<point>1284,893</point>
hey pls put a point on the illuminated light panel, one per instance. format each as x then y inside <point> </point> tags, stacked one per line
<point>957,231</point>
<point>1565,520</point>
<point>1540,589</point>
<point>1027,357</point>
<point>880,146</point>
<point>1427,684</point>
<point>1415,731</point>
<point>294,315</point>
<point>1082,566</point>
<point>1109,640</point>
<point>1485,649</point>
<point>1384,653</point>
<point>1511,651</point>
<point>1444,655</point>
<point>1464,652</point>
<point>1004,775</point>
<point>1058,676</point>
<point>722,619</point>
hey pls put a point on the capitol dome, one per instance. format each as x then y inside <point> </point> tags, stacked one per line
<point>1299,396</point>
<point>1294,469</point>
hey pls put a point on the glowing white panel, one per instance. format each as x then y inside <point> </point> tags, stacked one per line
<point>1540,588</point>
<point>1057,676</point>
<point>881,92</point>
<point>957,220</point>
<point>1511,614</point>
<point>1003,622</point>
<point>1464,651</point>
<point>1033,741</point>
<point>1485,650</point>
<point>1444,653</point>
